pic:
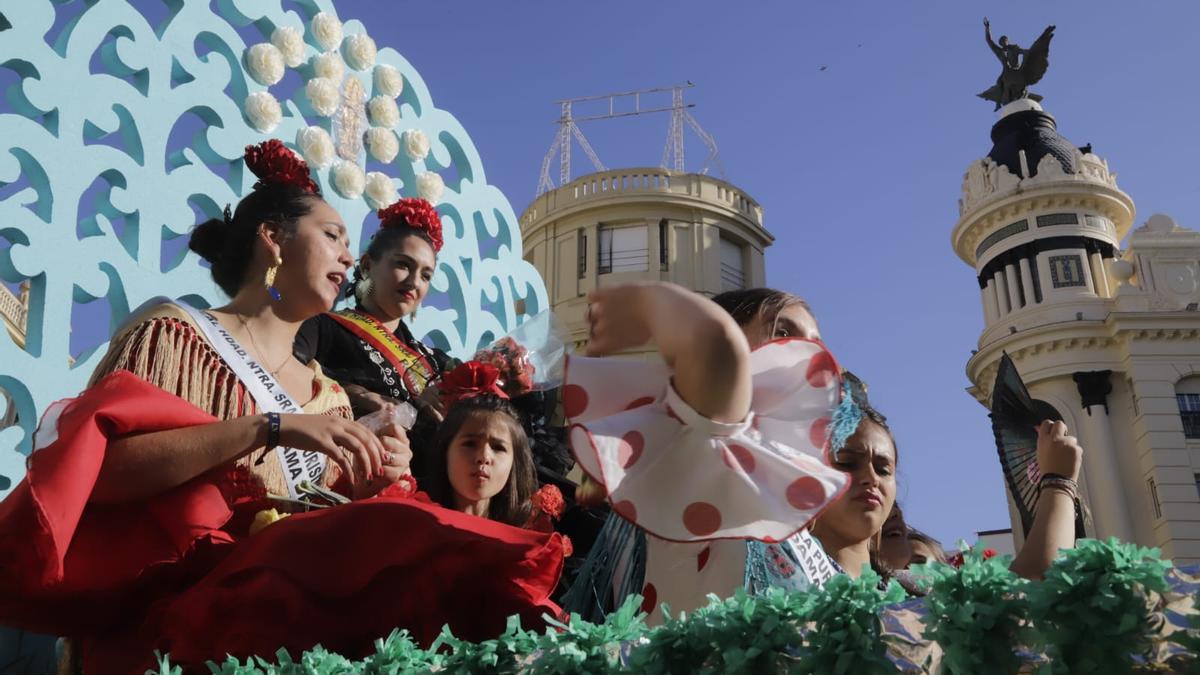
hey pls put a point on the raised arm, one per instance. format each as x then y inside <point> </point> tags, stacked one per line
<point>706,351</point>
<point>987,35</point>
<point>1054,523</point>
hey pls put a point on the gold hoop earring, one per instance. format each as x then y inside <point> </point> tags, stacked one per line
<point>269,280</point>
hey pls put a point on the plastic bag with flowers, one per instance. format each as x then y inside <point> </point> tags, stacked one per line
<point>530,358</point>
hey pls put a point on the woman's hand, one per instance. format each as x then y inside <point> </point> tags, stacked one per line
<point>352,446</point>
<point>617,318</point>
<point>702,345</point>
<point>1057,452</point>
<point>397,456</point>
<point>365,400</point>
<point>431,402</point>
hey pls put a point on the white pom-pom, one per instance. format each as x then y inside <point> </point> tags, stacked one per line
<point>264,62</point>
<point>360,51</point>
<point>430,187</point>
<point>383,111</point>
<point>416,144</point>
<point>328,30</point>
<point>383,144</point>
<point>323,94</point>
<point>290,44</point>
<point>381,190</point>
<point>348,179</point>
<point>329,66</point>
<point>388,81</point>
<point>316,146</point>
<point>263,111</point>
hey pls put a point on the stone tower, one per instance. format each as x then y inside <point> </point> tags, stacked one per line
<point>1109,338</point>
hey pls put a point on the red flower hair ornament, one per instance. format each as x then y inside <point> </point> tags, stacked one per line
<point>469,380</point>
<point>275,164</point>
<point>415,213</point>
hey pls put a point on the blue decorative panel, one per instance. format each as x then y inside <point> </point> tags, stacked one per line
<point>1066,271</point>
<point>1002,233</point>
<point>1052,219</point>
<point>124,126</point>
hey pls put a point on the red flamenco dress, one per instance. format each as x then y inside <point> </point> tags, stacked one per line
<point>169,573</point>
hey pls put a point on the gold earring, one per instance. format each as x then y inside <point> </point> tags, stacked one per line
<point>269,279</point>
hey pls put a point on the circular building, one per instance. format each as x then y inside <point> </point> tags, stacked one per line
<point>642,224</point>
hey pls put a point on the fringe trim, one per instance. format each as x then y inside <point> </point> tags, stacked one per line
<point>170,354</point>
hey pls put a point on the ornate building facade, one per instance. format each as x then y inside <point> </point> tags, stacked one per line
<point>15,311</point>
<point>640,224</point>
<point>1109,337</point>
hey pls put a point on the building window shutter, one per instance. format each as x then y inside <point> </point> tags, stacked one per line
<point>733,276</point>
<point>623,249</point>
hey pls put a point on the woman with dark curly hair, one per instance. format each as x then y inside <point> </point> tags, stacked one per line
<point>369,349</point>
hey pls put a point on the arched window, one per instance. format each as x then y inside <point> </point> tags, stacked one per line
<point>1187,394</point>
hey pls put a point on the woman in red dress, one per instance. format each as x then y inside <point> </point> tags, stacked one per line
<point>130,531</point>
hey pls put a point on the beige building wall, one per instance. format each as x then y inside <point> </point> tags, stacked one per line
<point>1061,297</point>
<point>690,229</point>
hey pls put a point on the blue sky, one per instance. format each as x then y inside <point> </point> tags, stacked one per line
<point>858,165</point>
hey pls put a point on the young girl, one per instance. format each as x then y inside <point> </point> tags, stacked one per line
<point>481,461</point>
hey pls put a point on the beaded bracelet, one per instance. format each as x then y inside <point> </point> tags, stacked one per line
<point>1054,480</point>
<point>273,424</point>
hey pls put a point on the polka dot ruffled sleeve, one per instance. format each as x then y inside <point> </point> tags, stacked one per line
<point>686,478</point>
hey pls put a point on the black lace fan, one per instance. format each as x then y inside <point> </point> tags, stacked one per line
<point>1015,417</point>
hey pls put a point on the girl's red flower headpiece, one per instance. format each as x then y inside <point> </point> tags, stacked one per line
<point>416,213</point>
<point>274,164</point>
<point>469,380</point>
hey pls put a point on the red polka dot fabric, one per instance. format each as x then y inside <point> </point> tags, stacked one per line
<point>685,478</point>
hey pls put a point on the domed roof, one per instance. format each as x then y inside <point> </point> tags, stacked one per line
<point>1035,132</point>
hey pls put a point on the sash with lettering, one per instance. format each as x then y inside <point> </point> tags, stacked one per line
<point>796,563</point>
<point>298,465</point>
<point>410,364</point>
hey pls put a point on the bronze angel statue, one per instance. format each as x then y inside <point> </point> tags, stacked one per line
<point>1019,73</point>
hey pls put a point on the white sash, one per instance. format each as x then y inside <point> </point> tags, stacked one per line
<point>298,465</point>
<point>812,558</point>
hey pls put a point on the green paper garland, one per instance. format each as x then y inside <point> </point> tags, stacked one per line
<point>976,613</point>
<point>1098,611</point>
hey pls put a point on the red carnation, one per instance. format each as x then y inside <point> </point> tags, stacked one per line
<point>274,164</point>
<point>415,213</point>
<point>469,380</point>
<point>989,553</point>
<point>549,500</point>
<point>512,360</point>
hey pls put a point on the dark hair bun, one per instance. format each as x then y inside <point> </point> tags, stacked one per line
<point>209,239</point>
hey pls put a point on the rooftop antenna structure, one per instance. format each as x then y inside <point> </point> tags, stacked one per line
<point>568,128</point>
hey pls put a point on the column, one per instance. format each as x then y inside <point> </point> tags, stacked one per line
<point>1002,293</point>
<point>990,312</point>
<point>1099,275</point>
<point>1014,287</point>
<point>1107,492</point>
<point>1027,282</point>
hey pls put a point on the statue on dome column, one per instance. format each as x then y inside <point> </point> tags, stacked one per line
<point>1019,73</point>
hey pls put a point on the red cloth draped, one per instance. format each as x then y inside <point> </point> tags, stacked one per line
<point>67,562</point>
<point>161,574</point>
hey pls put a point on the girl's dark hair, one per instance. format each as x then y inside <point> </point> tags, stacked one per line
<point>512,504</point>
<point>939,553</point>
<point>228,243</point>
<point>384,240</point>
<point>748,304</point>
